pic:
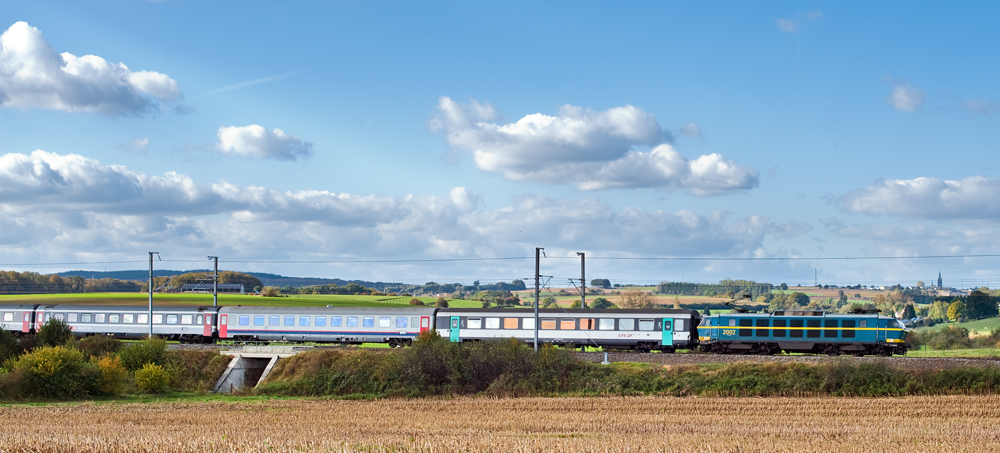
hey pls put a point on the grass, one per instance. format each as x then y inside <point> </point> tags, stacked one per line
<point>981,326</point>
<point>952,423</point>
<point>988,353</point>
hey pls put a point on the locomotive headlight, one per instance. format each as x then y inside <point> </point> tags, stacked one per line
<point>895,340</point>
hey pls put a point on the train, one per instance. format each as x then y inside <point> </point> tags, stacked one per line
<point>642,330</point>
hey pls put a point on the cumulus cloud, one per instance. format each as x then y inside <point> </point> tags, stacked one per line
<point>255,142</point>
<point>34,75</point>
<point>905,97</point>
<point>73,203</point>
<point>588,149</point>
<point>975,197</point>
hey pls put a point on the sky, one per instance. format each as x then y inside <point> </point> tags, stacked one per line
<point>782,142</point>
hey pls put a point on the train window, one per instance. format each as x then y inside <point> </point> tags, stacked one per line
<point>510,323</point>
<point>385,321</point>
<point>813,324</point>
<point>796,331</point>
<point>86,317</point>
<point>492,323</point>
<point>335,321</point>
<point>646,324</point>
<point>197,319</point>
<point>368,321</point>
<point>158,319</point>
<point>830,328</point>
<point>588,324</point>
<point>128,318</point>
<point>59,316</point>
<point>606,324</point>
<point>474,323</point>
<point>171,319</point>
<point>401,323</point>
<point>848,326</point>
<point>258,320</point>
<point>779,327</point>
<point>189,319</point>
<point>208,319</point>
<point>424,323</point>
<point>549,324</point>
<point>321,321</point>
<point>244,320</point>
<point>304,321</point>
<point>274,320</point>
<point>744,327</point>
<point>72,317</point>
<point>142,319</point>
<point>666,325</point>
<point>626,324</point>
<point>528,323</point>
<point>864,323</point>
<point>414,322</point>
<point>680,325</point>
<point>762,328</point>
<point>8,316</point>
<point>289,320</point>
<point>732,322</point>
<point>223,319</point>
<point>26,315</point>
<point>352,321</point>
<point>114,318</point>
<point>567,324</point>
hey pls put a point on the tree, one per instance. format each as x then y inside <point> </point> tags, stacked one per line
<point>600,304</point>
<point>549,302</point>
<point>55,332</point>
<point>600,282</point>
<point>909,312</point>
<point>708,312</point>
<point>956,310</point>
<point>784,287</point>
<point>441,303</point>
<point>677,302</point>
<point>416,301</point>
<point>980,305</point>
<point>920,284</point>
<point>635,299</point>
<point>575,304</point>
<point>270,291</point>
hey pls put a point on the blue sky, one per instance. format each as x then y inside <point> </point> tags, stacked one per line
<point>272,133</point>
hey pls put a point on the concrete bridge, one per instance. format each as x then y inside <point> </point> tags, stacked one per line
<point>251,365</point>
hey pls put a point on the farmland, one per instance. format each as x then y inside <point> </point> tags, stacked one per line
<point>949,423</point>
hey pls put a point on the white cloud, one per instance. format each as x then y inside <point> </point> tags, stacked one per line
<point>33,75</point>
<point>255,142</point>
<point>975,197</point>
<point>691,130</point>
<point>138,145</point>
<point>590,150</point>
<point>53,204</point>
<point>905,97</point>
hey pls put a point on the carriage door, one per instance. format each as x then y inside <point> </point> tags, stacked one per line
<point>208,325</point>
<point>453,331</point>
<point>668,332</point>
<point>425,323</point>
<point>26,325</point>
<point>880,331</point>
<point>222,326</point>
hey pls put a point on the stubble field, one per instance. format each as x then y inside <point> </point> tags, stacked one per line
<point>951,423</point>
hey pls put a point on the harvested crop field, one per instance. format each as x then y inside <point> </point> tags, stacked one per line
<point>948,423</point>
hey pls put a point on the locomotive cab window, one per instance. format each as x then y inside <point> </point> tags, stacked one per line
<point>813,325</point>
<point>779,328</point>
<point>796,331</point>
<point>848,326</point>
<point>744,327</point>
<point>830,330</point>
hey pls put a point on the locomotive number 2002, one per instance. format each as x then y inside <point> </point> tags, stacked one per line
<point>729,331</point>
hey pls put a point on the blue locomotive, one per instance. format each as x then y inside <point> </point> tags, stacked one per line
<point>817,332</point>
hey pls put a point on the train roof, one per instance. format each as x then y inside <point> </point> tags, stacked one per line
<point>128,308</point>
<point>571,311</point>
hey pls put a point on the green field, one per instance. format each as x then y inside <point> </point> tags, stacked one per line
<point>294,300</point>
<point>981,326</point>
<point>986,353</point>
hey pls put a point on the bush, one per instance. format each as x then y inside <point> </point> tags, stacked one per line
<point>9,346</point>
<point>600,304</point>
<point>195,371</point>
<point>55,372</point>
<point>136,355</point>
<point>151,378</point>
<point>99,345</point>
<point>416,301</point>
<point>441,303</point>
<point>55,332</point>
<point>111,377</point>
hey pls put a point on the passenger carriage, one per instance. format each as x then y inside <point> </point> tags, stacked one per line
<point>802,331</point>
<point>395,326</point>
<point>642,330</point>
<point>18,318</point>
<point>187,324</point>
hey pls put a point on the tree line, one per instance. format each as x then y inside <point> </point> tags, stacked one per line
<point>13,282</point>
